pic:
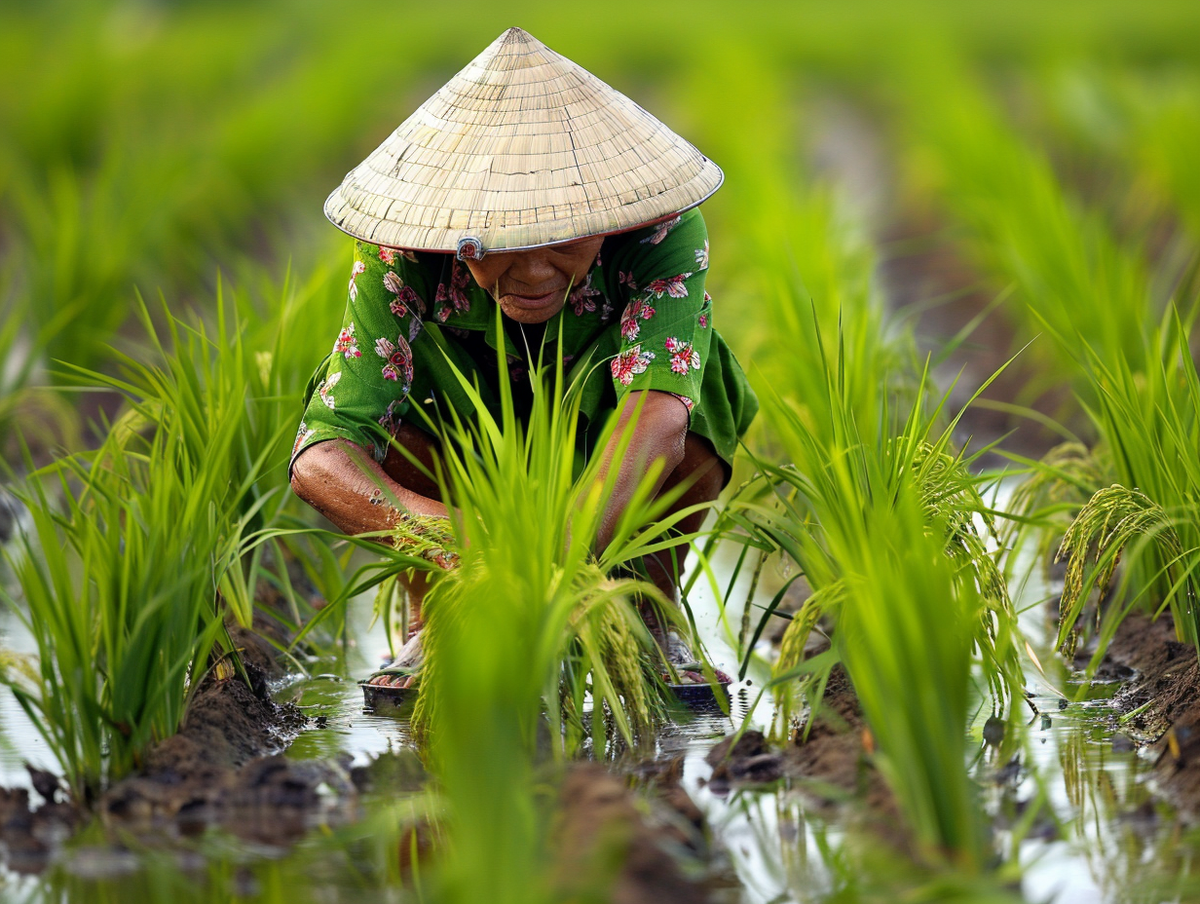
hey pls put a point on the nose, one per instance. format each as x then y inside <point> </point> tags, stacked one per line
<point>533,268</point>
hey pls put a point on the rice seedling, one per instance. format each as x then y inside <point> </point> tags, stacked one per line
<point>1149,424</point>
<point>126,590</point>
<point>884,533</point>
<point>120,594</point>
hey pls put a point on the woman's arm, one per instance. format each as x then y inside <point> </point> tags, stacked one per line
<point>345,484</point>
<point>658,434</point>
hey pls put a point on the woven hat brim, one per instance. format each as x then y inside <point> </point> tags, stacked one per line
<point>522,148</point>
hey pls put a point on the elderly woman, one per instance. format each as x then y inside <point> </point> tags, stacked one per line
<point>527,183</point>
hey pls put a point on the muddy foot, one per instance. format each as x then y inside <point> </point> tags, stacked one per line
<point>405,669</point>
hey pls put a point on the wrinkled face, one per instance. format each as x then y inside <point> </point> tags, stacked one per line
<point>531,286</point>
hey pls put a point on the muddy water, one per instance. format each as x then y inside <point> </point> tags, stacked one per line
<point>1098,838</point>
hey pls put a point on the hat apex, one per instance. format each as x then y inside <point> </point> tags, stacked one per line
<point>521,148</point>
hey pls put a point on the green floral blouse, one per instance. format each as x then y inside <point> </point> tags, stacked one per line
<point>640,321</point>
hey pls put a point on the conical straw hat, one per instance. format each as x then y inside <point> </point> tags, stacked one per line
<point>521,148</point>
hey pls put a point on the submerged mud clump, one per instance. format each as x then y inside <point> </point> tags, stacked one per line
<point>29,836</point>
<point>830,764</point>
<point>601,823</point>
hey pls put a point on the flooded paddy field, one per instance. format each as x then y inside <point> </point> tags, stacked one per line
<point>1080,802</point>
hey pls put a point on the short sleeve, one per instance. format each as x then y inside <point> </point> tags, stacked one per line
<point>360,392</point>
<point>667,322</point>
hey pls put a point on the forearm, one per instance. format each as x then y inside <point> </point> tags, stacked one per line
<point>657,435</point>
<point>346,485</point>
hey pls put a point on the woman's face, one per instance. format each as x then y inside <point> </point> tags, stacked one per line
<point>531,286</point>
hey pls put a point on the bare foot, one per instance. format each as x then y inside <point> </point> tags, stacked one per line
<point>404,670</point>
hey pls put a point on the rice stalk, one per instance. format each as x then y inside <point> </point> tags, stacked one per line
<point>1111,520</point>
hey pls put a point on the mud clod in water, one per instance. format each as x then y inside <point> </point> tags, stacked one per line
<point>223,759</point>
<point>601,824</point>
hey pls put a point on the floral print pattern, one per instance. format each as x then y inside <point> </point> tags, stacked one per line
<point>638,309</point>
<point>359,267</point>
<point>398,355</point>
<point>675,286</point>
<point>662,231</point>
<point>628,363</point>
<point>581,298</point>
<point>325,390</point>
<point>347,344</point>
<point>453,298</point>
<point>642,307</point>
<point>684,356</point>
<point>391,417</point>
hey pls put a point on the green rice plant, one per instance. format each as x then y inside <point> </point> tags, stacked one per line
<point>1139,122</point>
<point>527,629</point>
<point>828,491</point>
<point>1149,515</point>
<point>884,534</point>
<point>120,592</point>
<point>880,513</point>
<point>160,539</point>
<point>524,518</point>
<point>905,631</point>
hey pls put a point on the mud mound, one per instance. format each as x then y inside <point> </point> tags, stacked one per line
<point>223,759</point>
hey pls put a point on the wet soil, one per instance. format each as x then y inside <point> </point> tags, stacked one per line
<point>224,768</point>
<point>830,763</point>
<point>653,836</point>
<point>225,762</point>
<point>1161,706</point>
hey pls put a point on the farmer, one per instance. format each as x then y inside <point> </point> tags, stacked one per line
<point>527,183</point>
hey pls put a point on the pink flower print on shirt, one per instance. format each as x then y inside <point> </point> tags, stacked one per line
<point>683,356</point>
<point>358,268</point>
<point>626,279</point>
<point>460,278</point>
<point>414,328</point>
<point>638,309</point>
<point>326,389</point>
<point>673,285</point>
<point>391,420</point>
<point>581,297</point>
<point>702,257</point>
<point>703,321</point>
<point>387,255</point>
<point>687,403</point>
<point>661,232</point>
<point>399,366</point>
<point>405,296</point>
<point>452,298</point>
<point>626,364</point>
<point>347,343</point>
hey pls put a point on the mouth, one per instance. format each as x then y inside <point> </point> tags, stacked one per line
<point>536,301</point>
